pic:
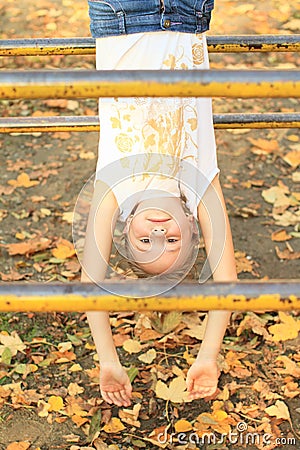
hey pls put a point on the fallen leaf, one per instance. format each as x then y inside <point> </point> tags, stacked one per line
<point>277,196</point>
<point>293,25</point>
<point>13,275</point>
<point>287,254</point>
<point>75,389</point>
<point>175,392</point>
<point>132,346</point>
<point>253,323</point>
<point>263,146</point>
<point>197,331</point>
<point>245,263</point>
<point>68,217</point>
<point>148,357</point>
<point>13,342</point>
<point>130,416</point>
<point>95,425</point>
<point>218,421</point>
<point>114,426</point>
<point>290,367</point>
<point>264,389</point>
<point>87,155</point>
<point>288,329</point>
<point>182,426</point>
<point>56,403</point>
<point>99,445</point>
<point>279,410</point>
<point>287,218</point>
<point>18,446</point>
<point>23,180</point>
<point>28,247</point>
<point>64,249</point>
<point>166,322</point>
<point>280,236</point>
<point>292,158</point>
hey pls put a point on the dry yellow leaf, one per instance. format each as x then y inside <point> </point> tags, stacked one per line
<point>293,138</point>
<point>148,357</point>
<point>130,416</point>
<point>75,389</point>
<point>132,346</point>
<point>290,367</point>
<point>87,155</point>
<point>13,342</point>
<point>18,446</point>
<point>75,368</point>
<point>114,426</point>
<point>218,421</point>
<point>176,392</point>
<point>288,329</point>
<point>280,236</point>
<point>23,180</point>
<point>43,408</point>
<point>56,403</point>
<point>264,146</point>
<point>292,158</point>
<point>64,249</point>
<point>279,410</point>
<point>197,330</point>
<point>68,217</point>
<point>182,426</point>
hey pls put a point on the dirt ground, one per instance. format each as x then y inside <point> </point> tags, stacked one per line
<point>251,163</point>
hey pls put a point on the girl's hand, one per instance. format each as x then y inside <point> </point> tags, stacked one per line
<point>115,385</point>
<point>202,378</point>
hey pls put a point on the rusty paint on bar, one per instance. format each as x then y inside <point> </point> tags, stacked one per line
<point>91,123</point>
<point>204,83</point>
<point>86,46</point>
<point>239,296</point>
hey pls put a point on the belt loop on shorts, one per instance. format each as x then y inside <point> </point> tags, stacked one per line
<point>121,22</point>
<point>199,21</point>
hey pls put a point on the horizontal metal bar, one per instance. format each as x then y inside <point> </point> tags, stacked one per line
<point>86,46</point>
<point>269,120</point>
<point>91,123</point>
<point>149,83</point>
<point>243,296</point>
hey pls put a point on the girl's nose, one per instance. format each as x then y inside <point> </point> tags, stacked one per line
<point>158,230</point>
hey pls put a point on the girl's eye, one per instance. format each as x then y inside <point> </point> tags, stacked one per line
<point>145,240</point>
<point>172,240</point>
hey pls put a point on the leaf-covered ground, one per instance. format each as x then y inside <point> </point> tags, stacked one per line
<point>49,395</point>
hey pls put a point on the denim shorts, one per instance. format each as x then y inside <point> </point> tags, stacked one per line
<point>119,17</point>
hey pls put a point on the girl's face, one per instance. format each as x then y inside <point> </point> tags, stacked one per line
<point>160,236</point>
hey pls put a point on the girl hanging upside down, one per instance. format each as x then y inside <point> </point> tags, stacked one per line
<point>156,174</point>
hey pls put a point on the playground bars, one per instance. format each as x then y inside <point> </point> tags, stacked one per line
<point>86,46</point>
<point>188,296</point>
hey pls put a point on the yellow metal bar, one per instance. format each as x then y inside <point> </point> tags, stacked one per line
<point>150,83</point>
<point>86,46</point>
<point>241,296</point>
<point>91,123</point>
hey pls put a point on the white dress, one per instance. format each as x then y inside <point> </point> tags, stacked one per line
<point>155,146</point>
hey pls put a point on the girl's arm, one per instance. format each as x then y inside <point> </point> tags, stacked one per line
<point>202,377</point>
<point>97,249</point>
<point>217,237</point>
<point>114,383</point>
